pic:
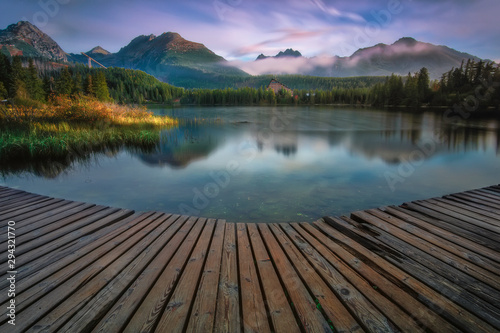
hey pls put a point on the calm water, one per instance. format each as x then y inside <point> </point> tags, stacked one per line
<point>283,164</point>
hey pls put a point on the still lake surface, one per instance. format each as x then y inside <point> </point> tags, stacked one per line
<point>283,164</point>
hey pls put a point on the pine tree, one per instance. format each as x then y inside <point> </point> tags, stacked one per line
<point>3,92</point>
<point>89,86</point>
<point>5,73</point>
<point>34,84</point>
<point>423,85</point>
<point>77,85</point>
<point>18,86</point>
<point>411,91</point>
<point>395,90</point>
<point>101,91</point>
<point>64,83</point>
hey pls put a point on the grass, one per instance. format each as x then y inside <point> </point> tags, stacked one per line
<point>78,127</point>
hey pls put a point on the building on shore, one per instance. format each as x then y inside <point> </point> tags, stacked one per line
<point>276,86</point>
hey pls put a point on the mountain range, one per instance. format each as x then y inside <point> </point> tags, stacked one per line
<point>406,55</point>
<point>282,54</point>
<point>180,62</point>
<point>170,58</point>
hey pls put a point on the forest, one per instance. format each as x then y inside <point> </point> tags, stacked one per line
<point>472,85</point>
<point>29,81</point>
<point>69,113</point>
<point>37,83</point>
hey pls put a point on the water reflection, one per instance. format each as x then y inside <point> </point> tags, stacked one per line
<point>389,136</point>
<point>181,146</point>
<point>294,164</point>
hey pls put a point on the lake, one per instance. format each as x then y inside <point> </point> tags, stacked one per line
<point>282,164</point>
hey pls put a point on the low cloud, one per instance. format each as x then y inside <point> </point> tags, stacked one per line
<point>284,65</point>
<point>390,50</point>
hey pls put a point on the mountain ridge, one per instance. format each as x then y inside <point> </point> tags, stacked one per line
<point>175,60</point>
<point>406,55</point>
<point>287,53</point>
<point>170,58</point>
<point>26,39</point>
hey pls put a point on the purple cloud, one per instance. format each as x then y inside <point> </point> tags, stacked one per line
<point>242,29</point>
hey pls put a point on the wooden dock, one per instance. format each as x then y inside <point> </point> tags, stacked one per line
<point>425,266</point>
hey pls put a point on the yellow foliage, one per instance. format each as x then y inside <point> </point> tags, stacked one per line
<point>83,109</point>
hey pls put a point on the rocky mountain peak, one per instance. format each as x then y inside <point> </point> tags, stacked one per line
<point>287,53</point>
<point>99,50</point>
<point>24,37</point>
<point>406,41</point>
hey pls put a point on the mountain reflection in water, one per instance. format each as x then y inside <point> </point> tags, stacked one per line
<point>290,163</point>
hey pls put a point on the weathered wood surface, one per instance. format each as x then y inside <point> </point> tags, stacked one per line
<point>425,266</point>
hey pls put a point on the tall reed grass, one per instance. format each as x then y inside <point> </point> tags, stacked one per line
<point>75,126</point>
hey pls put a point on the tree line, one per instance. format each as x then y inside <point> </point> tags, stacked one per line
<point>472,81</point>
<point>21,80</point>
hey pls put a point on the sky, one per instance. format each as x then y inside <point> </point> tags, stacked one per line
<point>240,30</point>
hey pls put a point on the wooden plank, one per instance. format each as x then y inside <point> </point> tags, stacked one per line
<point>492,218</point>
<point>76,249</point>
<point>494,188</point>
<point>147,316</point>
<point>133,259</point>
<point>124,308</point>
<point>22,204</point>
<point>346,296</point>
<point>202,316</point>
<point>27,254</point>
<point>436,249</point>
<point>97,306</point>
<point>72,220</point>
<point>480,197</point>
<point>470,203</point>
<point>310,317</point>
<point>30,260</point>
<point>7,194</point>
<point>227,316</point>
<point>379,289</point>
<point>479,215</point>
<point>252,302</point>
<point>419,264</point>
<point>463,237</point>
<point>41,213</point>
<point>484,235</point>
<point>40,298</point>
<point>450,242</point>
<point>452,272</point>
<point>12,198</point>
<point>460,215</point>
<point>44,216</point>
<point>69,294</point>
<point>4,188</point>
<point>175,315</point>
<point>37,226</point>
<point>280,312</point>
<point>19,215</point>
<point>490,192</point>
<point>440,242</point>
<point>486,193</point>
<point>9,189</point>
<point>382,261</point>
<point>475,200</point>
